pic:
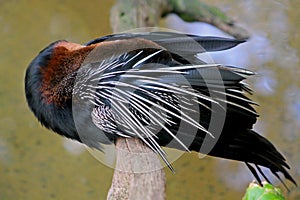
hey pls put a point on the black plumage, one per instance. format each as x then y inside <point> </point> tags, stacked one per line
<point>150,86</point>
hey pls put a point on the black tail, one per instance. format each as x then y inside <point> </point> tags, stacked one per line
<point>252,148</point>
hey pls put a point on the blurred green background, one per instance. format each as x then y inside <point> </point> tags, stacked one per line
<point>38,164</point>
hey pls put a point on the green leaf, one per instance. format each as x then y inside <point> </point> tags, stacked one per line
<point>266,192</point>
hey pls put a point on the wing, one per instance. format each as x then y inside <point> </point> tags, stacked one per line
<point>146,93</point>
<point>157,95</point>
<point>177,42</point>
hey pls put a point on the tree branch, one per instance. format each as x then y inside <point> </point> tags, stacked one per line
<point>138,173</point>
<point>127,14</point>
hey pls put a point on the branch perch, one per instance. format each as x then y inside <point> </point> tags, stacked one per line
<point>138,173</point>
<point>127,14</point>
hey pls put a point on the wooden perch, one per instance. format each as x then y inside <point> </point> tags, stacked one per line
<point>138,174</point>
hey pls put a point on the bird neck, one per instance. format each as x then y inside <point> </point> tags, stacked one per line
<point>60,73</point>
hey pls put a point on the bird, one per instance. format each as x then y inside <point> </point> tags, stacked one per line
<point>154,86</point>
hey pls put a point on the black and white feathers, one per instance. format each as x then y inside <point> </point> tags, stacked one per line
<point>154,87</point>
